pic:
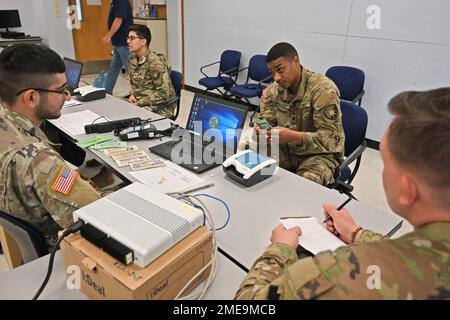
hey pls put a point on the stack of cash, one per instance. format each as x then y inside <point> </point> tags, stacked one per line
<point>123,154</point>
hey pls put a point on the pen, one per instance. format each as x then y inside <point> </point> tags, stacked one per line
<point>338,208</point>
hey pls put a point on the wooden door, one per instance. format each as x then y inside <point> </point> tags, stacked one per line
<point>94,25</point>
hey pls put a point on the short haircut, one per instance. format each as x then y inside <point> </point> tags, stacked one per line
<point>142,32</point>
<point>419,135</point>
<point>24,66</point>
<point>282,49</point>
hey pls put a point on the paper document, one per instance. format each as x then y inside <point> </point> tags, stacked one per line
<point>169,178</point>
<point>315,237</point>
<point>71,103</point>
<point>73,123</point>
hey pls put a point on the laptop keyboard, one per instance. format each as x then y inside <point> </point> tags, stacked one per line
<point>187,145</point>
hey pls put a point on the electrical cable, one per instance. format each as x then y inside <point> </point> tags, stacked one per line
<point>212,263</point>
<point>71,229</point>
<point>223,202</point>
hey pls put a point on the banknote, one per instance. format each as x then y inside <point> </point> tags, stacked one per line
<point>146,165</point>
<point>118,151</point>
<point>129,154</point>
<point>128,161</point>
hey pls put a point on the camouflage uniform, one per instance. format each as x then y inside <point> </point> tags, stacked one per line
<point>151,84</point>
<point>415,266</point>
<point>29,165</point>
<point>315,111</point>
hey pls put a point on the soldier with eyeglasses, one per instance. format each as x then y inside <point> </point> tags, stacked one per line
<point>36,184</point>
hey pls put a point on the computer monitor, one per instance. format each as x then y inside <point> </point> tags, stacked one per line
<point>9,19</point>
<point>226,116</point>
<point>73,73</point>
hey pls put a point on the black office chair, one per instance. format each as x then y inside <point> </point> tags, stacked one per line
<point>30,241</point>
<point>354,121</point>
<point>227,75</point>
<point>350,82</point>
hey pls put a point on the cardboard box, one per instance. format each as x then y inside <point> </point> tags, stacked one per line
<point>103,277</point>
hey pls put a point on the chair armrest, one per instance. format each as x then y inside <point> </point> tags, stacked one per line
<point>355,154</point>
<point>166,104</point>
<point>236,69</point>
<point>359,96</point>
<point>208,65</point>
<point>264,80</point>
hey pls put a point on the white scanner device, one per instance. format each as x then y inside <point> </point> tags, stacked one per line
<point>89,93</point>
<point>249,167</point>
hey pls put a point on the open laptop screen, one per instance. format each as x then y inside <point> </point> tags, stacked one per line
<point>73,73</point>
<point>217,118</point>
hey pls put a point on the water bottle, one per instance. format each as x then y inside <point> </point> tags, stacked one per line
<point>152,12</point>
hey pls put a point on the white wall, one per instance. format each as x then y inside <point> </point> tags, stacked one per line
<point>411,51</point>
<point>174,33</point>
<point>38,18</point>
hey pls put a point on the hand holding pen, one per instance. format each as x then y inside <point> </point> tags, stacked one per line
<point>338,208</point>
<point>339,221</point>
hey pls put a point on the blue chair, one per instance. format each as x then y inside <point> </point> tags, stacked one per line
<point>228,72</point>
<point>30,241</point>
<point>257,71</point>
<point>354,121</point>
<point>176,78</point>
<point>350,82</point>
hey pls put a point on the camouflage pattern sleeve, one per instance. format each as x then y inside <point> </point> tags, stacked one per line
<point>329,135</point>
<point>266,107</point>
<point>160,90</point>
<point>266,269</point>
<point>369,236</point>
<point>36,182</point>
<point>384,270</point>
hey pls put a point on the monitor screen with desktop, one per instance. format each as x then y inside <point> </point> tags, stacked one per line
<point>216,114</point>
<point>73,73</point>
<point>10,19</point>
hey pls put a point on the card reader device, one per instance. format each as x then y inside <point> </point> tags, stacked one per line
<point>89,93</point>
<point>249,167</point>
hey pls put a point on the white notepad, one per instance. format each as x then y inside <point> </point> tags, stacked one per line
<point>314,238</point>
<point>169,178</point>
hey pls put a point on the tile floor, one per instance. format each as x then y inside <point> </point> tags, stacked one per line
<point>367,183</point>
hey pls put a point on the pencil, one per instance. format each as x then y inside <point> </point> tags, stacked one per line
<point>338,208</point>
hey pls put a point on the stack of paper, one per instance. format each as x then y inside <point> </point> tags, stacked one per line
<point>73,123</point>
<point>315,237</point>
<point>169,178</point>
<point>71,103</point>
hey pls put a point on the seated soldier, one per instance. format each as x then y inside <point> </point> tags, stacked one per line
<point>417,187</point>
<point>303,107</point>
<point>150,82</point>
<point>36,184</point>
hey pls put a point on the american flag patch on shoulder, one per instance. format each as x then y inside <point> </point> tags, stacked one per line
<point>65,180</point>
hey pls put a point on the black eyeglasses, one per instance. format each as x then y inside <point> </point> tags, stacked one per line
<point>131,38</point>
<point>64,90</point>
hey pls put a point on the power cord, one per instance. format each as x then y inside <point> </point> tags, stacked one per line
<point>212,263</point>
<point>74,227</point>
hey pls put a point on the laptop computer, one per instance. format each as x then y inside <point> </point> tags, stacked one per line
<point>73,73</point>
<point>212,134</point>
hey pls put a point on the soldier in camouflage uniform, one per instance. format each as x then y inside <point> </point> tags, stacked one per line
<point>151,86</point>
<point>414,266</point>
<point>304,108</point>
<point>33,87</point>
